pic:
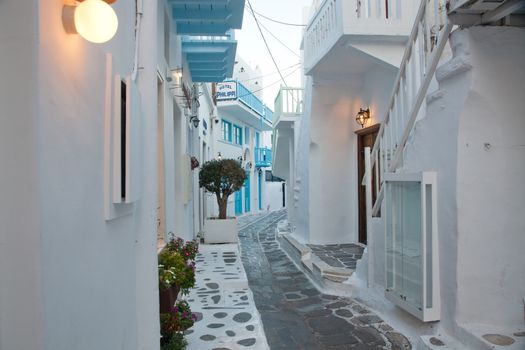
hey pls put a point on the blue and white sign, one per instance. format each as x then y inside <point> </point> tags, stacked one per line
<point>227,90</point>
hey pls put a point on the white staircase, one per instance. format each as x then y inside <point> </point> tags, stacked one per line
<point>424,48</point>
<point>430,32</point>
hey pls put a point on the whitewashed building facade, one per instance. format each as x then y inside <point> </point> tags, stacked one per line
<point>96,142</point>
<point>440,212</point>
<point>241,131</point>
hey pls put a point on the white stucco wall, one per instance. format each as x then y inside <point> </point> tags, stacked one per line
<point>99,283</point>
<point>249,75</point>
<point>331,170</point>
<point>273,196</point>
<point>20,258</point>
<point>491,169</point>
<point>97,288</point>
<point>472,136</point>
<point>298,215</point>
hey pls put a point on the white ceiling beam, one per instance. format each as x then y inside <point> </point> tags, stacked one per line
<point>504,10</point>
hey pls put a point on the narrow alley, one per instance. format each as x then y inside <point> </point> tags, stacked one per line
<point>294,314</point>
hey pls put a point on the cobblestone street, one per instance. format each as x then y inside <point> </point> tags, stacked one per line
<point>294,313</point>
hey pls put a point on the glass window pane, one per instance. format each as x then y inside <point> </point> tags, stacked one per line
<point>429,233</point>
<point>404,222</point>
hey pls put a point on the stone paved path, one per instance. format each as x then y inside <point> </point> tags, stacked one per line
<point>294,313</point>
<point>339,255</point>
<point>226,313</point>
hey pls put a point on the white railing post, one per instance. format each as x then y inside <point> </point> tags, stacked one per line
<point>369,233</point>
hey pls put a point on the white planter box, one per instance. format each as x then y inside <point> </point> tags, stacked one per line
<point>221,231</point>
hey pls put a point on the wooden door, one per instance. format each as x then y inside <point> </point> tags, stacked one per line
<point>365,138</point>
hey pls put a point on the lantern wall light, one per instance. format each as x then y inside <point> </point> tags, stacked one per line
<point>94,20</point>
<point>363,116</point>
<point>195,121</point>
<point>175,74</point>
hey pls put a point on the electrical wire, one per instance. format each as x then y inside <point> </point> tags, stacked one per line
<point>265,43</point>
<point>267,86</point>
<point>272,73</point>
<point>280,42</point>
<point>276,38</point>
<point>276,21</point>
<point>138,21</point>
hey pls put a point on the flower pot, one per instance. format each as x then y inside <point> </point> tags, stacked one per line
<point>221,231</point>
<point>167,298</point>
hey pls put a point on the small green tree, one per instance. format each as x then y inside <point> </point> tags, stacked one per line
<point>222,177</point>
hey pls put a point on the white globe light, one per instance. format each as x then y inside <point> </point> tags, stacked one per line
<point>96,21</point>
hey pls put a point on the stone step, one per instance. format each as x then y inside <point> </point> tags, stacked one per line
<point>435,342</point>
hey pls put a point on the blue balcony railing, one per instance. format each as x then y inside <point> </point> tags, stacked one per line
<point>247,98</point>
<point>263,157</point>
<point>268,114</point>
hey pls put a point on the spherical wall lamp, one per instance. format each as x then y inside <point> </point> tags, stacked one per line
<point>362,116</point>
<point>94,20</point>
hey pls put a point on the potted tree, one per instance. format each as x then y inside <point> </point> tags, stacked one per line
<point>221,177</point>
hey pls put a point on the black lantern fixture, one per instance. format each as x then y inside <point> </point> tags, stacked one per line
<point>195,121</point>
<point>362,116</point>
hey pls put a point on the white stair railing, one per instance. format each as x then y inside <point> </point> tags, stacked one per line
<point>424,48</point>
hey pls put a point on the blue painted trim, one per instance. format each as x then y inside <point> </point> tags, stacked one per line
<point>260,190</point>
<point>209,59</point>
<point>263,157</point>
<point>237,134</point>
<point>207,17</point>
<point>226,130</point>
<point>247,193</point>
<point>252,102</point>
<point>238,202</point>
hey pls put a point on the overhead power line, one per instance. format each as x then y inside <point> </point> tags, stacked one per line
<point>280,42</point>
<point>272,73</point>
<point>280,22</point>
<point>265,43</point>
<point>272,84</point>
<point>276,38</point>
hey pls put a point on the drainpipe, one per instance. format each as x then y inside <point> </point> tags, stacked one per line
<point>194,144</point>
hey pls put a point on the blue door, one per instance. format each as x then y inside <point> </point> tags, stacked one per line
<point>260,190</point>
<point>247,193</point>
<point>238,202</point>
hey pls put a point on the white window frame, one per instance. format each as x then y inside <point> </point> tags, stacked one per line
<point>429,311</point>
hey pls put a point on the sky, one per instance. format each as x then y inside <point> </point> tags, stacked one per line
<point>252,49</point>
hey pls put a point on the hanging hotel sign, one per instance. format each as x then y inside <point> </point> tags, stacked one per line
<point>227,90</point>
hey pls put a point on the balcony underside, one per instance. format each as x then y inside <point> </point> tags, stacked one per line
<point>238,110</point>
<point>468,12</point>
<point>206,17</point>
<point>353,56</point>
<point>209,60</point>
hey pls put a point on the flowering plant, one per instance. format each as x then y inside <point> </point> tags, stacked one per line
<point>194,163</point>
<point>177,321</point>
<point>175,270</point>
<point>188,250</point>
